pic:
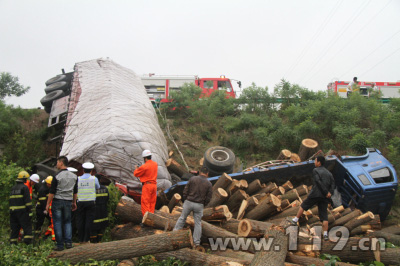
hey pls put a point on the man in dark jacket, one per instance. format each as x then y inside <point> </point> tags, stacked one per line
<point>20,210</point>
<point>196,195</point>
<point>321,192</point>
<point>41,214</point>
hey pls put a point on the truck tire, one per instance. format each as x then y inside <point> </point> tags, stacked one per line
<point>47,100</point>
<point>61,85</point>
<point>47,109</point>
<point>58,78</point>
<point>219,160</point>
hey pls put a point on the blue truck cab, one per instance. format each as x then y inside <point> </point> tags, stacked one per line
<point>368,182</point>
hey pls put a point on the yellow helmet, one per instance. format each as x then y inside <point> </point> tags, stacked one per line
<point>23,174</point>
<point>49,179</point>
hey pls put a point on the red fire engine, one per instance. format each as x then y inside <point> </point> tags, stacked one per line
<point>387,89</point>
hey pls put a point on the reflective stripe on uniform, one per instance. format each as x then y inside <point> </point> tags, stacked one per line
<point>14,240</point>
<point>16,196</point>
<point>42,198</point>
<point>30,214</point>
<point>38,203</point>
<point>100,220</point>
<point>102,195</point>
<point>28,236</point>
<point>17,207</point>
<point>29,204</point>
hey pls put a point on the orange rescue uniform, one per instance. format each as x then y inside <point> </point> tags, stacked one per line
<point>28,184</point>
<point>148,176</point>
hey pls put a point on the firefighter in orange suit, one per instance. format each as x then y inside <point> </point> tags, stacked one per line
<point>148,176</point>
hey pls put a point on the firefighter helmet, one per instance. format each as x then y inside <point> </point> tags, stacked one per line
<point>49,179</point>
<point>23,174</point>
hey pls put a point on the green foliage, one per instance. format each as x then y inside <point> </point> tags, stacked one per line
<point>9,86</point>
<point>359,143</point>
<point>332,259</point>
<point>150,261</point>
<point>372,263</point>
<point>256,100</point>
<point>114,197</point>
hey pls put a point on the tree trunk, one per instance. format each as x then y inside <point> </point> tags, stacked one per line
<point>288,212</point>
<point>264,208</point>
<point>339,209</point>
<point>268,188</point>
<point>290,195</point>
<point>302,190</point>
<point>219,196</point>
<point>161,199</point>
<point>284,204</point>
<point>284,155</point>
<point>278,191</point>
<point>295,157</point>
<point>130,230</point>
<point>231,225</point>
<point>233,187</point>
<point>307,149</point>
<point>252,202</point>
<point>174,167</point>
<point>287,186</point>
<point>275,256</point>
<point>243,184</point>
<point>160,221</point>
<point>304,260</point>
<point>242,209</point>
<point>254,187</point>
<point>394,229</point>
<point>129,211</point>
<point>362,219</point>
<point>223,182</point>
<point>390,256</point>
<point>344,219</point>
<point>129,248</point>
<point>236,199</point>
<point>230,253</point>
<point>129,262</point>
<point>164,209</point>
<point>373,225</point>
<point>392,238</point>
<point>219,213</point>
<point>176,198</point>
<point>196,258</point>
<point>252,228</point>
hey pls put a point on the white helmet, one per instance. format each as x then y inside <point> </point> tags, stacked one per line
<point>35,178</point>
<point>146,153</point>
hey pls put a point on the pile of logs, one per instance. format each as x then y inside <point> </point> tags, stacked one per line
<point>240,211</point>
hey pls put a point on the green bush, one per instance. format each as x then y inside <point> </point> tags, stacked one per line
<point>359,143</point>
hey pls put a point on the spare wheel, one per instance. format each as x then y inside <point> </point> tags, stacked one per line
<point>219,159</point>
<point>58,78</point>
<point>49,98</point>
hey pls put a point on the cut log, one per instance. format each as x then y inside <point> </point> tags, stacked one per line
<point>373,225</point>
<point>159,221</point>
<point>394,229</point>
<point>307,149</point>
<point>268,188</point>
<point>230,253</point>
<point>236,199</point>
<point>252,202</point>
<point>164,209</point>
<point>284,204</point>
<point>339,209</point>
<point>290,195</point>
<point>304,260</point>
<point>233,187</point>
<point>278,191</point>
<point>242,209</point>
<point>344,219</point>
<point>176,198</point>
<point>196,258</point>
<point>284,155</point>
<point>174,167</point>
<point>362,219</point>
<point>264,208</point>
<point>275,256</point>
<point>259,196</point>
<point>287,185</point>
<point>161,199</point>
<point>219,213</point>
<point>130,230</point>
<point>129,262</point>
<point>392,238</point>
<point>254,187</point>
<point>128,210</point>
<point>219,196</point>
<point>125,249</point>
<point>346,211</point>
<point>295,157</point>
<point>243,184</point>
<point>224,181</point>
<point>252,228</point>
<point>231,225</point>
<point>390,256</point>
<point>302,190</point>
<point>201,161</point>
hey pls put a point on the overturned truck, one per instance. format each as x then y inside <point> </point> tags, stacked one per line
<point>104,116</point>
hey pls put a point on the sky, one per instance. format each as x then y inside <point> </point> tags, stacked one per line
<point>308,42</point>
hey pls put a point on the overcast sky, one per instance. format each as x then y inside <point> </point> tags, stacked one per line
<point>308,42</point>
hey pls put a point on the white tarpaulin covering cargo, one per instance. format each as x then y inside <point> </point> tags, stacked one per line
<point>111,121</point>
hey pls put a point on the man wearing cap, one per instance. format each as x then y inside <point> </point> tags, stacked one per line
<point>87,185</point>
<point>20,209</point>
<point>62,198</point>
<point>41,213</point>
<point>147,173</point>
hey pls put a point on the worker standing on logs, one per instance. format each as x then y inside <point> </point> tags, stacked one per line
<point>20,209</point>
<point>87,185</point>
<point>147,173</point>
<point>196,195</point>
<point>321,192</point>
<point>62,198</point>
